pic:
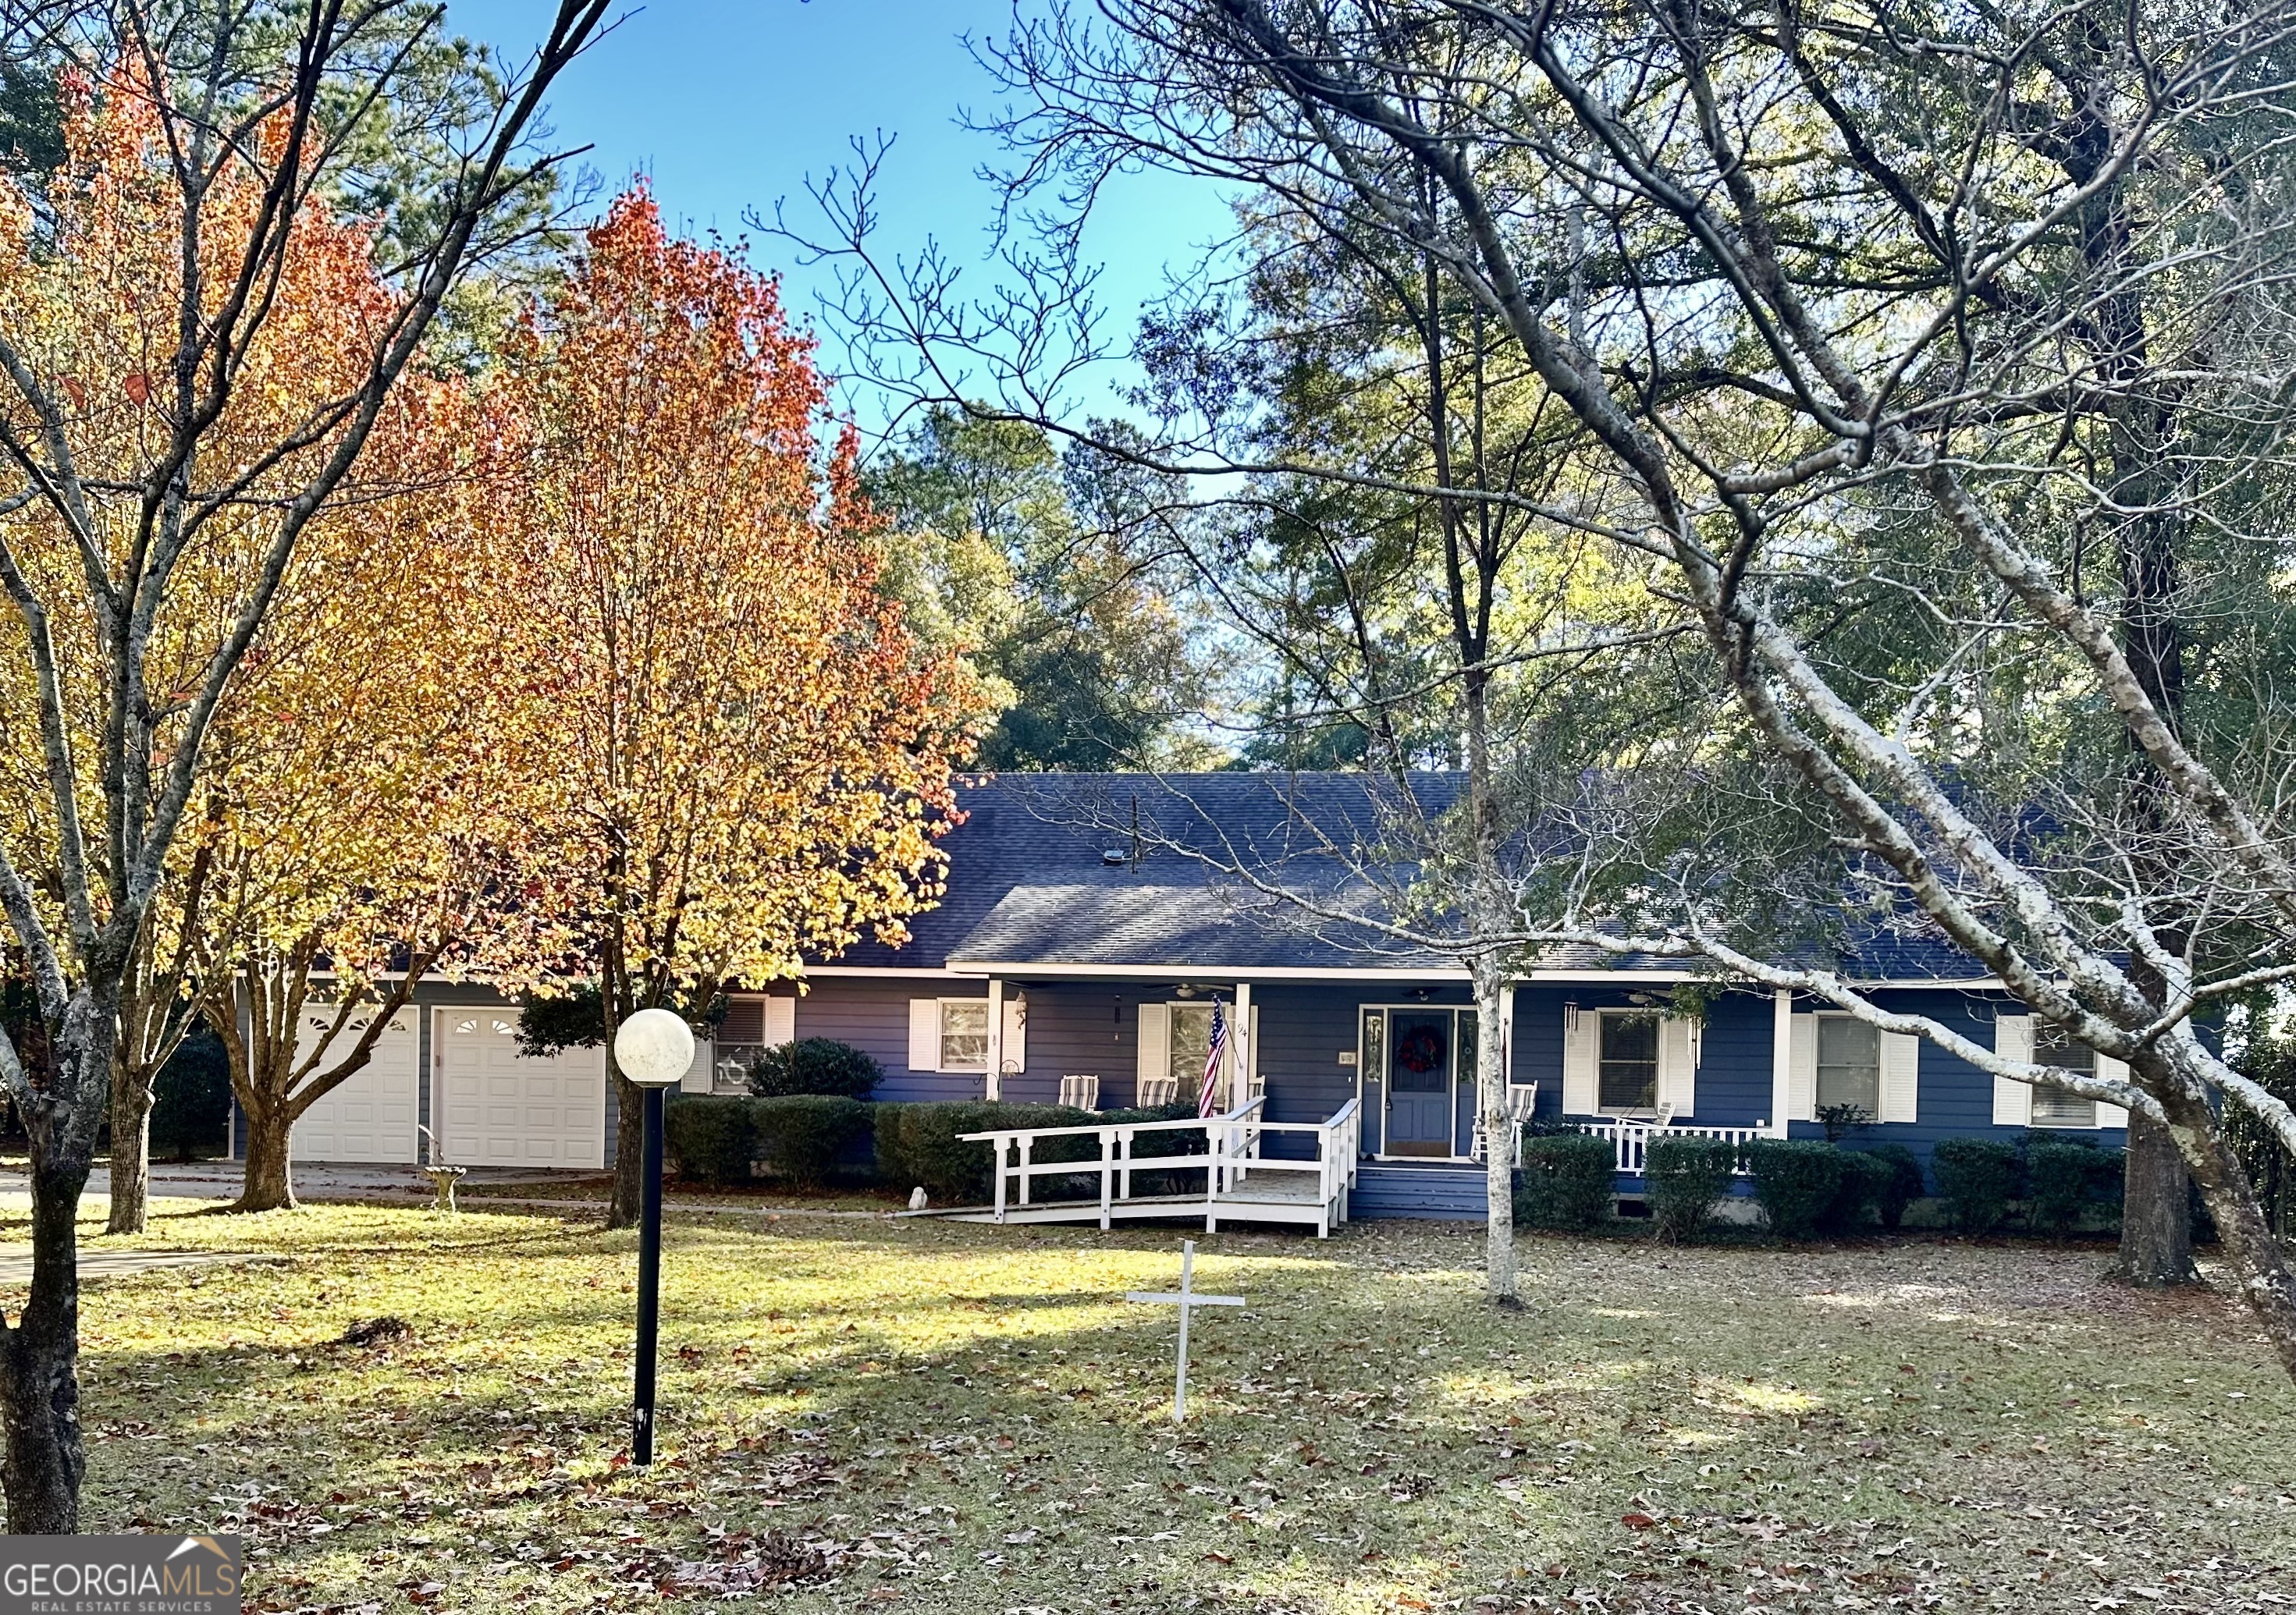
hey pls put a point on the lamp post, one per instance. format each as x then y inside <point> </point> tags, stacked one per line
<point>653,1049</point>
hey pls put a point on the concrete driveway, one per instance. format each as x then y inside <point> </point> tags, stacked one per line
<point>220,1180</point>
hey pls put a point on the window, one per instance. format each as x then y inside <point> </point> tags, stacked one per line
<point>1191,1046</point>
<point>1629,1062</point>
<point>1848,1065</point>
<point>2057,1107</point>
<point>964,1034</point>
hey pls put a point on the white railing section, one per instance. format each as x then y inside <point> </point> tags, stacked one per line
<point>1234,1153</point>
<point>1631,1138</point>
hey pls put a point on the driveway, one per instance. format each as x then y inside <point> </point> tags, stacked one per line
<point>220,1180</point>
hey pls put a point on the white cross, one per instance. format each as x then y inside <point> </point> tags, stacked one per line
<point>1187,1299</point>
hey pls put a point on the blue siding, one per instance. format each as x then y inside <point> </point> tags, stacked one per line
<point>874,1017</point>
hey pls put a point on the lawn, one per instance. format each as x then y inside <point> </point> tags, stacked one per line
<point>918,1416</point>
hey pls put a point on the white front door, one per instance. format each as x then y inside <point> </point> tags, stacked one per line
<point>502,1109</point>
<point>371,1116</point>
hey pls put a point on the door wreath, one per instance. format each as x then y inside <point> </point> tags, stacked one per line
<point>1421,1050</point>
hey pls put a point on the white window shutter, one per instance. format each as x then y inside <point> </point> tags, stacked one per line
<point>924,1034</point>
<point>780,1021</point>
<point>1678,1064</point>
<point>2013,1101</point>
<point>2112,1070</point>
<point>1582,1054</point>
<point>1801,1069</point>
<point>1016,1036</point>
<point>1901,1076</point>
<point>1156,1043</point>
<point>698,1078</point>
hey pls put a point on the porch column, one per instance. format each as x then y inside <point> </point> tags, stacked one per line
<point>1239,1048</point>
<point>994,1087</point>
<point>1781,1065</point>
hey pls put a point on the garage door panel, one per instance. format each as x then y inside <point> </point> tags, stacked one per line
<point>370,1116</point>
<point>508,1109</point>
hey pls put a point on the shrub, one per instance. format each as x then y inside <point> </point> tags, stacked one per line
<point>814,1065</point>
<point>1976,1177</point>
<point>712,1137</point>
<point>802,1134</point>
<point>2065,1175</point>
<point>1686,1176</point>
<point>1902,1185</point>
<point>1795,1180</point>
<point>190,1106</point>
<point>1859,1192</point>
<point>1567,1181</point>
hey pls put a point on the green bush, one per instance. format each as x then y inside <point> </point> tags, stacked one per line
<point>2065,1177</point>
<point>814,1065</point>
<point>1686,1176</point>
<point>1567,1181</point>
<point>1795,1181</point>
<point>1902,1185</point>
<point>801,1134</point>
<point>191,1107</point>
<point>1862,1180</point>
<point>712,1137</point>
<point>1976,1178</point>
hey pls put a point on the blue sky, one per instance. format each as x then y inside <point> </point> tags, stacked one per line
<point>727,105</point>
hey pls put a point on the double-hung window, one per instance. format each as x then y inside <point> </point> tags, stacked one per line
<point>964,1034</point>
<point>1628,1061</point>
<point>1848,1065</point>
<point>2055,1107</point>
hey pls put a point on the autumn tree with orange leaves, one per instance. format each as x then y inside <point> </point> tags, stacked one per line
<point>752,756</point>
<point>194,353</point>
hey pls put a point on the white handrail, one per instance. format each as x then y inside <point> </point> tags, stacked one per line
<point>1631,1139</point>
<point>1233,1152</point>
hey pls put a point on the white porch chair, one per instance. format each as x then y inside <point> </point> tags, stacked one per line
<point>1156,1091</point>
<point>1080,1092</point>
<point>1523,1099</point>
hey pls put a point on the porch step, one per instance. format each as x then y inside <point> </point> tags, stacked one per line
<point>1433,1194</point>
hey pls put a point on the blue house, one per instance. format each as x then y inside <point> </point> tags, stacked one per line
<point>1096,930</point>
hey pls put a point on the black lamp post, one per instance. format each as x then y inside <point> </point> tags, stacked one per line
<point>653,1049</point>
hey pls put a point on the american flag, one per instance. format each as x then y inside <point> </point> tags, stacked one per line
<point>1208,1102</point>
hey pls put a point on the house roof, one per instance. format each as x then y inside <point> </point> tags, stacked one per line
<point>1048,874</point>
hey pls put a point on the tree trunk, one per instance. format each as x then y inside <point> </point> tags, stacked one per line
<point>2257,1258</point>
<point>39,1378</point>
<point>2156,1223</point>
<point>131,1150</point>
<point>1497,1130</point>
<point>623,1210</point>
<point>268,1184</point>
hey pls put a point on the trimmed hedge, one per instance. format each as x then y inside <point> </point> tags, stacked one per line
<point>712,1137</point>
<point>191,1108</point>
<point>1795,1181</point>
<point>1686,1177</point>
<point>1976,1178</point>
<point>801,1134</point>
<point>1859,1192</point>
<point>1567,1181</point>
<point>814,1065</point>
<point>2066,1177</point>
<point>1902,1185</point>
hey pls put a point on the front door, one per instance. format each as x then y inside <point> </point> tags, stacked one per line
<point>1420,1057</point>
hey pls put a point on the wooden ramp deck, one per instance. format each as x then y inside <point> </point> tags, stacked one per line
<point>1242,1183</point>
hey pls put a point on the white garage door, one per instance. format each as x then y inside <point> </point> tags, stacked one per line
<point>502,1109</point>
<point>372,1117</point>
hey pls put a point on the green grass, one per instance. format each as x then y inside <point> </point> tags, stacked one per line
<point>916,1416</point>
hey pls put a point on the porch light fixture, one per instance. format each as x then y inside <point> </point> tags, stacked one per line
<point>653,1048</point>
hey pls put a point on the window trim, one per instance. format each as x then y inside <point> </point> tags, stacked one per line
<point>1818,1060</point>
<point>940,1037</point>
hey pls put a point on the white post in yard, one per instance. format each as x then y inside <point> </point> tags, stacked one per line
<point>1186,1300</point>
